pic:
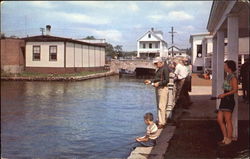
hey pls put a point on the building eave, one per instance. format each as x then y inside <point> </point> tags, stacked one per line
<point>48,38</point>
<point>153,35</point>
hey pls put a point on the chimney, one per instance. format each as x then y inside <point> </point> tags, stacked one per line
<point>152,29</point>
<point>48,27</point>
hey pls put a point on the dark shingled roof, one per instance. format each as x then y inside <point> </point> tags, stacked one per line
<point>48,38</point>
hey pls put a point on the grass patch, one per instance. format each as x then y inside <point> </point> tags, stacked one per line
<point>31,74</point>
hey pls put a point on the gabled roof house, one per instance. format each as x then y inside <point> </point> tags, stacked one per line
<point>151,44</point>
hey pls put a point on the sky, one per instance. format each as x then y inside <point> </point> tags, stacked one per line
<point>119,22</point>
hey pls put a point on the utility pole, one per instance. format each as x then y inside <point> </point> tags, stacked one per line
<point>172,35</point>
<point>42,30</point>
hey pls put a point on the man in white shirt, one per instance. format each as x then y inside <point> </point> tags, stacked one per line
<point>181,73</point>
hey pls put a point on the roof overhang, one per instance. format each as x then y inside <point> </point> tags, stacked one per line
<point>48,38</point>
<point>220,11</point>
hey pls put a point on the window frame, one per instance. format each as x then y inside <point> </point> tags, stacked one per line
<point>150,45</point>
<point>199,50</point>
<point>156,45</point>
<point>199,68</point>
<point>143,45</point>
<point>50,53</point>
<point>149,35</point>
<point>33,52</point>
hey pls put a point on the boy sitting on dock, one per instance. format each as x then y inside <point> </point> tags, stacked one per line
<point>151,134</point>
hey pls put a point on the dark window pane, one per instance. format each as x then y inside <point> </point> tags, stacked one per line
<point>36,56</point>
<point>150,45</point>
<point>53,53</point>
<point>36,52</point>
<point>53,57</point>
<point>199,68</point>
<point>199,51</point>
<point>156,45</point>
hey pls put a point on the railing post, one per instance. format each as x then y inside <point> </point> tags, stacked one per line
<point>171,96</point>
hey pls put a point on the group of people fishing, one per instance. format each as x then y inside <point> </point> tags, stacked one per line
<point>182,70</point>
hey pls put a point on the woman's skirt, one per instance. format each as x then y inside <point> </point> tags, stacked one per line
<point>227,103</point>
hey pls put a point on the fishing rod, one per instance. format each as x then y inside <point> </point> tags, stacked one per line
<point>115,149</point>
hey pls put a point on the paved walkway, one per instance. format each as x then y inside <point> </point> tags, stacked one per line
<point>202,109</point>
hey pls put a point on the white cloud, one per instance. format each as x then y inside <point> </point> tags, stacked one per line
<point>189,27</point>
<point>81,18</point>
<point>109,35</point>
<point>171,16</point>
<point>133,7</point>
<point>96,4</point>
<point>157,17</point>
<point>137,26</point>
<point>177,4</point>
<point>42,4</point>
<point>170,3</point>
<point>179,15</point>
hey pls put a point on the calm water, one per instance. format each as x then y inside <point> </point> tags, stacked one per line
<point>96,118</point>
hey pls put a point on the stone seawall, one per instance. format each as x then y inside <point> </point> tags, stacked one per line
<point>72,78</point>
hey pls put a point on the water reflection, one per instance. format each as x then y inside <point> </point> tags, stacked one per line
<point>85,119</point>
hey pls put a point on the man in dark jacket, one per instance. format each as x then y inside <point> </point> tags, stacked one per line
<point>160,83</point>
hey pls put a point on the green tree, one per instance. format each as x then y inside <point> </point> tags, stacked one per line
<point>130,53</point>
<point>109,49</point>
<point>89,38</point>
<point>118,50</point>
<point>189,51</point>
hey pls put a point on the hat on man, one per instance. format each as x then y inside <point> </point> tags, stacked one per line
<point>157,59</point>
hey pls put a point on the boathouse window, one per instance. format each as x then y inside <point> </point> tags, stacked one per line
<point>149,35</point>
<point>52,53</point>
<point>150,45</point>
<point>36,53</point>
<point>199,51</point>
<point>199,68</point>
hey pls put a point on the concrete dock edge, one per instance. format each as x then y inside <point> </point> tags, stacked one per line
<point>157,151</point>
<point>75,78</point>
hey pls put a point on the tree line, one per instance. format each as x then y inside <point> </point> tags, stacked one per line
<point>114,51</point>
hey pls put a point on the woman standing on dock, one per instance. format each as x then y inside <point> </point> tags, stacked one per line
<point>224,116</point>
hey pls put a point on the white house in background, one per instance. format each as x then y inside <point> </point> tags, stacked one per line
<point>151,45</point>
<point>177,51</point>
<point>51,54</point>
<point>197,56</point>
<point>207,49</point>
<point>207,46</point>
<point>202,51</point>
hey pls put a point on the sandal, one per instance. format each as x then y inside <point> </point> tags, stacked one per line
<point>222,142</point>
<point>225,142</point>
<point>228,141</point>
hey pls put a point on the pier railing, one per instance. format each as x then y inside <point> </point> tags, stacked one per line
<point>171,96</point>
